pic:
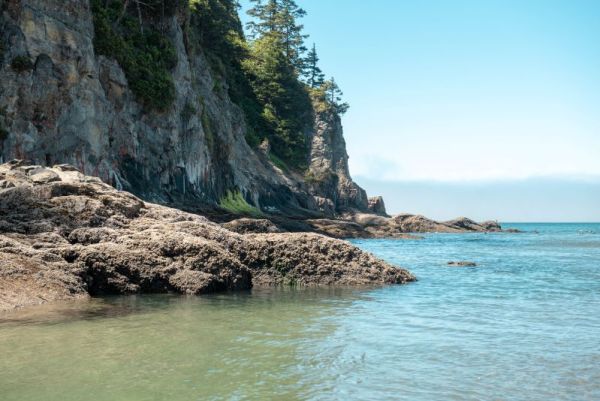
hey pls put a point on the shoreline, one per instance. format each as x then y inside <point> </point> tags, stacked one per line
<point>64,235</point>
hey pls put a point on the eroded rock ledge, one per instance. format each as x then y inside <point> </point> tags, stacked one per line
<point>355,224</point>
<point>64,235</point>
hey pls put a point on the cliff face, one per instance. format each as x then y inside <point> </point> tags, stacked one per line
<point>328,175</point>
<point>62,103</point>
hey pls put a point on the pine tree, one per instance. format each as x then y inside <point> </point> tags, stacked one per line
<point>218,28</point>
<point>333,96</point>
<point>292,36</point>
<point>273,67</point>
<point>312,73</point>
<point>266,18</point>
<point>278,19</point>
<point>286,104</point>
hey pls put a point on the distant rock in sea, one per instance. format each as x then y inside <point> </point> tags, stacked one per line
<point>462,263</point>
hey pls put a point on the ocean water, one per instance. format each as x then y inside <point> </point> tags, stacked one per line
<point>523,325</point>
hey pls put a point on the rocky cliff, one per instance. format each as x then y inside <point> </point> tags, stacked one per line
<point>60,102</point>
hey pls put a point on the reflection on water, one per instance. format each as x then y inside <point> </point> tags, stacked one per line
<point>524,325</point>
<point>229,346</point>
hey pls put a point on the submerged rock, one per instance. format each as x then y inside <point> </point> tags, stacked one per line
<point>462,263</point>
<point>70,236</point>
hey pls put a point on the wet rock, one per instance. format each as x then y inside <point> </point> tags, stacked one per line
<point>75,236</point>
<point>377,205</point>
<point>462,263</point>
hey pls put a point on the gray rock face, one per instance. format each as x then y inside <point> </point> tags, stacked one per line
<point>377,206</point>
<point>75,107</point>
<point>328,174</point>
<point>71,236</point>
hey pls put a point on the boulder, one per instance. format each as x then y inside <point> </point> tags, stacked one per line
<point>43,176</point>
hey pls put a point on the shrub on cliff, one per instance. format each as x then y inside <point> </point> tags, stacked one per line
<point>145,55</point>
<point>234,202</point>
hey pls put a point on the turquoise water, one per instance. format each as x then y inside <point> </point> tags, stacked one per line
<point>523,325</point>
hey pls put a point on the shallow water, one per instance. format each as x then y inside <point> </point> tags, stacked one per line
<point>523,325</point>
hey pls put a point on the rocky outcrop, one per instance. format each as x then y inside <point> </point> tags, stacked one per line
<point>66,235</point>
<point>368,225</point>
<point>465,224</point>
<point>328,175</point>
<point>377,206</point>
<point>421,224</point>
<point>62,103</point>
<point>365,225</point>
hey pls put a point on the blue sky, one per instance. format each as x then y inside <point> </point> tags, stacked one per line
<point>451,96</point>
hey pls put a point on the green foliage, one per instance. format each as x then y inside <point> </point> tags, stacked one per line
<point>277,162</point>
<point>21,63</point>
<point>263,76</point>
<point>330,95</point>
<point>312,73</point>
<point>252,137</point>
<point>279,19</point>
<point>145,55</point>
<point>216,27</point>
<point>234,202</point>
<point>208,130</point>
<point>286,104</point>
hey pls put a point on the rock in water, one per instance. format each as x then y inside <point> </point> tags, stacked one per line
<point>64,235</point>
<point>462,263</point>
